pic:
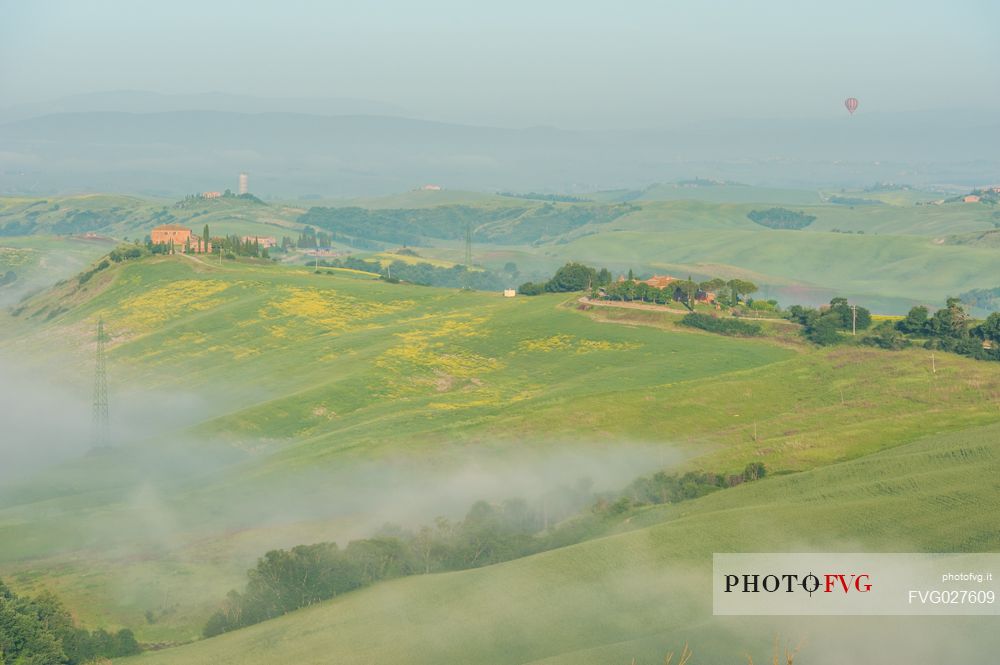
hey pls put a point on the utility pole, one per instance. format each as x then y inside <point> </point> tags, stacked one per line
<point>854,319</point>
<point>101,414</point>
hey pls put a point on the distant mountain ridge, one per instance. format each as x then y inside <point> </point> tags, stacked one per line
<point>144,101</point>
<point>177,152</point>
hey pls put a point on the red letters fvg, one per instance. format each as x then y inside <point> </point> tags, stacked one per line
<point>846,583</point>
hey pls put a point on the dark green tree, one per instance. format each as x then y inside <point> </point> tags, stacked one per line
<point>739,288</point>
<point>950,321</point>
<point>754,471</point>
<point>531,289</point>
<point>915,322</point>
<point>822,330</point>
<point>715,284</point>
<point>886,336</point>
<point>990,328</point>
<point>844,315</point>
<point>572,277</point>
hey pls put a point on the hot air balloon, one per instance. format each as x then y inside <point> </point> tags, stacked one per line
<point>851,104</point>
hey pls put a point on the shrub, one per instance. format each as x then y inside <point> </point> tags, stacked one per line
<point>781,218</point>
<point>531,289</point>
<point>728,327</point>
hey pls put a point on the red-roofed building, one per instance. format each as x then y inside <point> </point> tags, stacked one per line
<point>659,281</point>
<point>181,238</point>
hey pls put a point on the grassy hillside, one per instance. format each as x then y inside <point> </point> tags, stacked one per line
<point>418,198</point>
<point>889,256</point>
<point>887,273</point>
<point>290,374</point>
<point>260,405</point>
<point>639,594</point>
<point>266,395</point>
<point>132,217</point>
<point>39,261</point>
<point>727,193</point>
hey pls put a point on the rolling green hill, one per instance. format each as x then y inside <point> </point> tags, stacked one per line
<point>887,273</point>
<point>639,594</point>
<point>260,405</point>
<point>727,193</point>
<point>418,198</point>
<point>299,383</point>
<point>37,262</point>
<point>888,256</point>
<point>292,375</point>
<point>132,217</point>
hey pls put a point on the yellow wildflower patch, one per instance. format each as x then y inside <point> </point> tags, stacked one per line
<point>328,308</point>
<point>588,345</point>
<point>157,306</point>
<point>569,343</point>
<point>440,359</point>
<point>546,344</point>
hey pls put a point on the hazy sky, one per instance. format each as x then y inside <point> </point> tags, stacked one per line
<point>564,63</point>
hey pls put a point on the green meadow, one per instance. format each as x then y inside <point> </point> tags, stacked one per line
<point>261,405</point>
<point>302,375</point>
<point>890,256</point>
<point>123,216</point>
<point>889,274</point>
<point>640,593</point>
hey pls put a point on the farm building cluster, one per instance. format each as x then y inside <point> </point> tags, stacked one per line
<point>180,238</point>
<point>663,281</point>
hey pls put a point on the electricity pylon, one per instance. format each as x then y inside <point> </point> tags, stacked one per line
<point>102,417</point>
<point>468,245</point>
<point>468,255</point>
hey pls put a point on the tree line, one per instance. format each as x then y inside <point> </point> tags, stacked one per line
<point>781,218</point>
<point>40,631</point>
<point>950,328</point>
<point>426,274</point>
<point>230,246</point>
<point>233,246</point>
<point>286,580</point>
<point>580,277</point>
<point>823,326</point>
<point>721,326</point>
<point>727,293</point>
